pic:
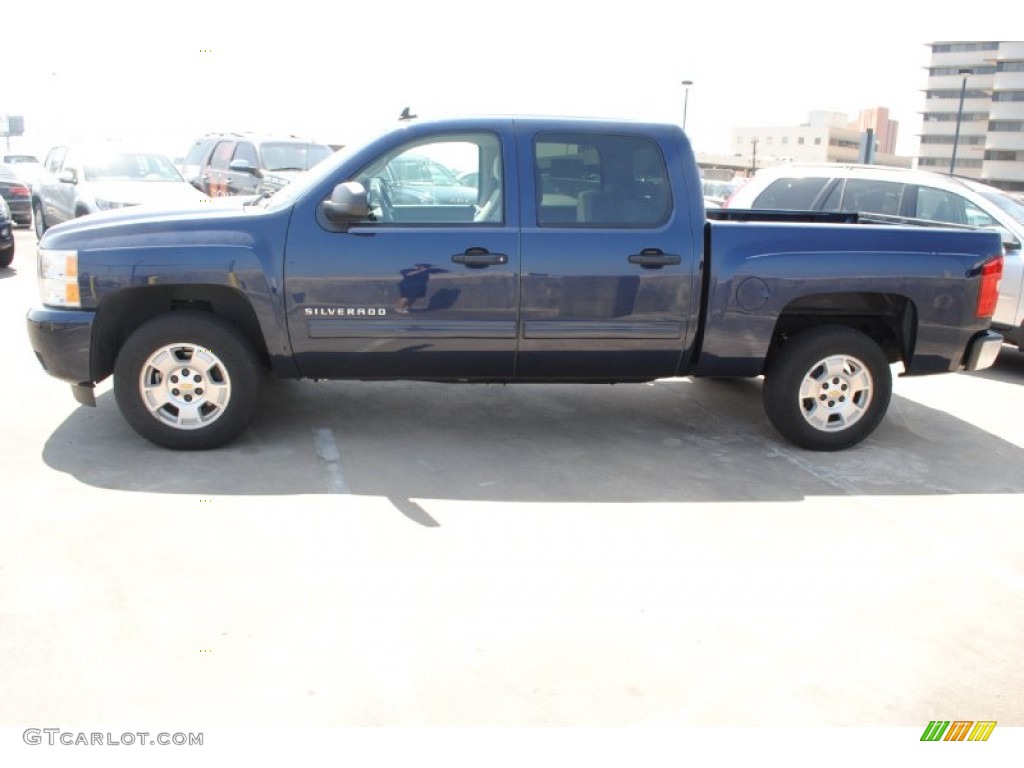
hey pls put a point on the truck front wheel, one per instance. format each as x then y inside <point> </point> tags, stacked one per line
<point>827,388</point>
<point>187,380</point>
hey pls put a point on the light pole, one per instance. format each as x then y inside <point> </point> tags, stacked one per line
<point>959,116</point>
<point>686,100</point>
<point>753,156</point>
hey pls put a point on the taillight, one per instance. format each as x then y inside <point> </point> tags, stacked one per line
<point>988,293</point>
<point>20,191</point>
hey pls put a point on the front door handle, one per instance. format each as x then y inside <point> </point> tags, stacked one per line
<point>479,257</point>
<point>653,258</point>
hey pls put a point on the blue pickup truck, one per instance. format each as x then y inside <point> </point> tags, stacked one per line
<point>582,254</point>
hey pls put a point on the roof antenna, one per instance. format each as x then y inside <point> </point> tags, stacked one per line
<point>407,115</point>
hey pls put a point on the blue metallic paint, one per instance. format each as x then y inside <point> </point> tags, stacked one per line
<point>567,304</point>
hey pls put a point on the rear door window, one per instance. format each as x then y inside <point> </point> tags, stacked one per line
<point>872,196</point>
<point>791,194</point>
<point>599,180</point>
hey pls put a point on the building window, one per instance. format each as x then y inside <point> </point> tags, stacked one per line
<point>970,93</point>
<point>1010,66</point>
<point>785,139</point>
<point>969,140</point>
<point>944,162</point>
<point>975,70</point>
<point>1008,96</point>
<point>1004,155</point>
<point>817,141</point>
<point>965,47</point>
<point>800,140</point>
<point>1012,126</point>
<point>836,142</point>
<point>950,117</point>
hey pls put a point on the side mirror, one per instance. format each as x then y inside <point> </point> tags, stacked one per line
<point>69,176</point>
<point>1010,242</point>
<point>346,203</point>
<point>243,166</point>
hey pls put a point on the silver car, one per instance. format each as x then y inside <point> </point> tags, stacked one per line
<point>80,181</point>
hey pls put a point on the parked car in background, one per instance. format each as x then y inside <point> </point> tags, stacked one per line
<point>77,181</point>
<point>903,194</point>
<point>247,164</point>
<point>716,191</point>
<point>414,179</point>
<point>27,167</point>
<point>16,194</point>
<point>6,236</point>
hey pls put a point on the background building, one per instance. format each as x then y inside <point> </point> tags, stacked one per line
<point>990,78</point>
<point>826,137</point>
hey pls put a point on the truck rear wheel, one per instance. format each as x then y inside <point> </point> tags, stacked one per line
<point>827,388</point>
<point>187,380</point>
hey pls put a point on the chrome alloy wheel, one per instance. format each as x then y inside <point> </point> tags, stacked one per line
<point>836,392</point>
<point>185,386</point>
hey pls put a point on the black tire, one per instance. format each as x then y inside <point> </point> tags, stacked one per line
<point>39,219</point>
<point>822,409</point>
<point>187,356</point>
<point>7,257</point>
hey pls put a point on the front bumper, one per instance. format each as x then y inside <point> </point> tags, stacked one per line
<point>982,351</point>
<point>62,340</point>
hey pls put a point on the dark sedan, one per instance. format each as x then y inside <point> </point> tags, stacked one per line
<point>16,194</point>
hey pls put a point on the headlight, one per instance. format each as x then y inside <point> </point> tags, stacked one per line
<point>106,205</point>
<point>58,278</point>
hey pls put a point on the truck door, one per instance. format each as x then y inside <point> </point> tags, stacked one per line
<point>607,262</point>
<point>427,286</point>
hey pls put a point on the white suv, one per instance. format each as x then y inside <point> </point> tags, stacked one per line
<point>903,194</point>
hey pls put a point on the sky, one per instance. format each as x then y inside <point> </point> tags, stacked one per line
<point>162,75</point>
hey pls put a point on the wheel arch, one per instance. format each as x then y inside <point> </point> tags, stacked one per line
<point>889,319</point>
<point>121,313</point>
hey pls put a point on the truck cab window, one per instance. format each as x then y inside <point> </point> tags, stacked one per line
<point>600,181</point>
<point>443,180</point>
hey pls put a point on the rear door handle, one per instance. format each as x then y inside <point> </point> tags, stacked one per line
<point>653,258</point>
<point>479,257</point>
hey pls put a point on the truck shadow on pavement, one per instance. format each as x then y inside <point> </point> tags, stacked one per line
<point>672,441</point>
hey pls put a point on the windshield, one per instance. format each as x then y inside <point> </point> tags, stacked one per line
<point>292,156</point>
<point>294,190</point>
<point>130,166</point>
<point>417,169</point>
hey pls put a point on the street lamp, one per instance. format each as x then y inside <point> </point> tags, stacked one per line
<point>959,116</point>
<point>686,100</point>
<point>753,156</point>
